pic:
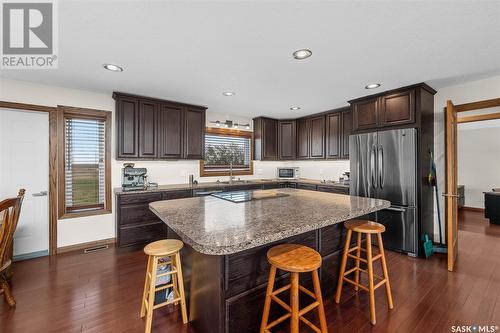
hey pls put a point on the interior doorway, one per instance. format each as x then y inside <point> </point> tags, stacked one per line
<point>452,120</point>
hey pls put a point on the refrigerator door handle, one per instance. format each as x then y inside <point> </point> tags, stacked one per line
<point>381,168</point>
<point>395,209</point>
<point>372,166</point>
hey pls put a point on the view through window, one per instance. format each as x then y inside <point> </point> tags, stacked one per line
<point>223,151</point>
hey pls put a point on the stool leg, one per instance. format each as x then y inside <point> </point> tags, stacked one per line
<point>151,296</point>
<point>294,301</point>
<point>267,303</point>
<point>358,254</point>
<point>342,266</point>
<point>319,298</point>
<point>369,259</point>
<point>180,283</point>
<point>386,274</point>
<point>174,279</point>
<point>146,289</point>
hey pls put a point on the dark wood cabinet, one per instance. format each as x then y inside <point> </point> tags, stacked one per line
<point>287,139</point>
<point>333,135</point>
<point>397,108</point>
<point>317,137</point>
<point>127,127</point>
<point>149,128</point>
<point>265,139</point>
<point>365,114</point>
<point>148,113</point>
<point>170,131</point>
<point>346,131</point>
<point>303,138</point>
<point>194,137</point>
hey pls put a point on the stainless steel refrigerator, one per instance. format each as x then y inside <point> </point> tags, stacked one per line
<point>384,166</point>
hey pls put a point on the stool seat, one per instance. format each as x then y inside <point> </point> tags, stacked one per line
<point>364,226</point>
<point>294,258</point>
<point>163,247</point>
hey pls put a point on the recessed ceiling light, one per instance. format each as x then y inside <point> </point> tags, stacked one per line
<point>302,54</point>
<point>228,93</point>
<point>295,108</point>
<point>373,86</point>
<point>113,68</point>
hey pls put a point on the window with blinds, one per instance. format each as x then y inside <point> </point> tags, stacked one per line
<point>222,151</point>
<point>84,164</point>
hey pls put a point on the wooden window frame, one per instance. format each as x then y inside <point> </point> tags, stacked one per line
<point>63,112</point>
<point>228,132</point>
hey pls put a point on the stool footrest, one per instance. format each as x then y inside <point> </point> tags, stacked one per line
<point>357,258</point>
<point>277,321</point>
<point>174,271</point>
<point>355,284</point>
<point>159,305</point>
<point>307,291</point>
<point>311,325</point>
<point>381,283</point>
<point>282,289</point>
<point>355,248</point>
<point>280,302</point>
<point>308,308</point>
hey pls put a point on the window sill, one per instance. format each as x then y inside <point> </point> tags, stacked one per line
<point>96,212</point>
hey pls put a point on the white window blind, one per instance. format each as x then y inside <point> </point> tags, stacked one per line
<point>84,164</point>
<point>222,150</point>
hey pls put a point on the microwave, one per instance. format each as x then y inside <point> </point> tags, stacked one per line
<point>288,173</point>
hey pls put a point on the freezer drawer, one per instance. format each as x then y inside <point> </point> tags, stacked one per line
<point>400,224</point>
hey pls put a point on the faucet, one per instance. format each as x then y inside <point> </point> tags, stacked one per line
<point>231,177</point>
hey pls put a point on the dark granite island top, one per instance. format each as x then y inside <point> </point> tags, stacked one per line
<point>218,227</point>
<point>224,259</point>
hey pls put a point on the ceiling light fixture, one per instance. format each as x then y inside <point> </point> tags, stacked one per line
<point>113,68</point>
<point>295,108</point>
<point>372,85</point>
<point>228,93</point>
<point>302,54</point>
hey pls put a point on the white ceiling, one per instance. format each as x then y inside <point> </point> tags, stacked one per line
<point>193,51</point>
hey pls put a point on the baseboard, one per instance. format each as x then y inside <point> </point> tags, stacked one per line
<point>83,246</point>
<point>472,209</point>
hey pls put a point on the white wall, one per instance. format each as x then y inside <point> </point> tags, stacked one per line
<point>460,93</point>
<point>86,229</point>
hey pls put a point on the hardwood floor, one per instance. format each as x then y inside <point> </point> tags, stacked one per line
<point>101,292</point>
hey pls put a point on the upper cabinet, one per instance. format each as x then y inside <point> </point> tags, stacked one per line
<point>346,131</point>
<point>317,137</point>
<point>150,128</point>
<point>398,107</point>
<point>333,135</point>
<point>303,133</point>
<point>286,139</point>
<point>265,139</point>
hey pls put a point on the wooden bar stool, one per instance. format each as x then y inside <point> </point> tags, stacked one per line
<point>166,251</point>
<point>295,259</point>
<point>368,228</point>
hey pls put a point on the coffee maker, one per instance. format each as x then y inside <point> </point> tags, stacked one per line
<point>133,179</point>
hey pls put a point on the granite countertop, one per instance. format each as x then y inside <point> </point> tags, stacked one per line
<point>218,227</point>
<point>174,187</point>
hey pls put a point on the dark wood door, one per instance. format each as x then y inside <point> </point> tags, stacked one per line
<point>397,108</point>
<point>127,127</point>
<point>170,125</point>
<point>269,139</point>
<point>333,135</point>
<point>365,114</point>
<point>346,131</point>
<point>194,133</point>
<point>303,138</point>
<point>317,141</point>
<point>148,115</point>
<point>286,139</point>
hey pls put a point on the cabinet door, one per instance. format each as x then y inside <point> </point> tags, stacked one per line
<point>286,139</point>
<point>365,114</point>
<point>170,131</point>
<point>346,131</point>
<point>317,137</point>
<point>127,117</point>
<point>194,134</point>
<point>269,139</point>
<point>303,139</point>
<point>333,135</point>
<point>397,108</point>
<point>147,129</point>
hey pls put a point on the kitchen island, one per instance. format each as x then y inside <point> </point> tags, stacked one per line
<point>224,258</point>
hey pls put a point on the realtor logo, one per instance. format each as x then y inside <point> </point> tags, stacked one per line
<point>28,35</point>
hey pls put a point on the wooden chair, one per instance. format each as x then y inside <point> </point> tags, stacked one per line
<point>295,259</point>
<point>10,209</point>
<point>167,250</point>
<point>367,228</point>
